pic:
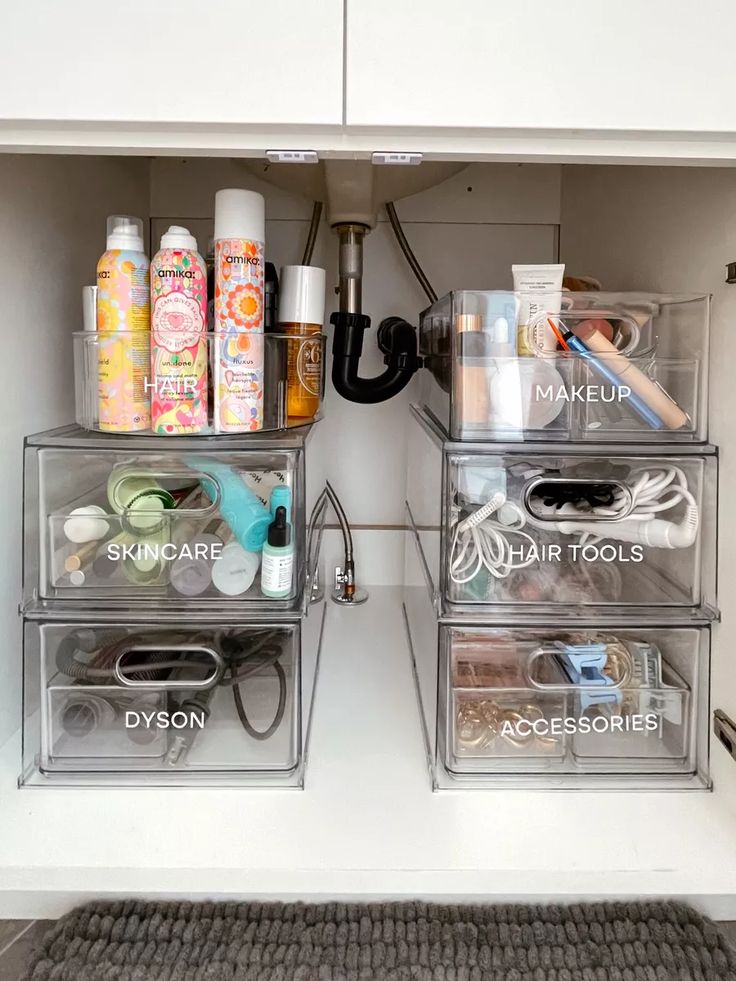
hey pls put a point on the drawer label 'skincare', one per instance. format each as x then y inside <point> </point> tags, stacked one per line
<point>575,552</point>
<point>584,725</point>
<point>166,551</point>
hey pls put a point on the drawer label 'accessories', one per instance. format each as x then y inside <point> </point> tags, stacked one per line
<point>570,726</point>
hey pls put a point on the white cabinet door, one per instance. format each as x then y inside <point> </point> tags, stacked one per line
<point>665,65</point>
<point>172,61</point>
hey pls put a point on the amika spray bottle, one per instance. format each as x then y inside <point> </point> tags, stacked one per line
<point>239,269</point>
<point>178,383</point>
<point>123,326</point>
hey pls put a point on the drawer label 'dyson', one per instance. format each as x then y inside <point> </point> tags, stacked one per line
<point>165,720</point>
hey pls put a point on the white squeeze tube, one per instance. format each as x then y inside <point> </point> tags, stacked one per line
<point>239,271</point>
<point>539,289</point>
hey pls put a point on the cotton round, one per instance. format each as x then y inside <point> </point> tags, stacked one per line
<point>515,401</point>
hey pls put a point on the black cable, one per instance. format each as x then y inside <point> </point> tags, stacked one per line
<point>244,655</point>
<point>312,236</point>
<point>406,249</point>
<point>280,709</point>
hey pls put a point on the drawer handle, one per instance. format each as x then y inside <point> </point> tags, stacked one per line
<point>553,499</point>
<point>212,679</point>
<point>617,658</point>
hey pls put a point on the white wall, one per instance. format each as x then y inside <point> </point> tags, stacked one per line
<point>673,229</point>
<point>52,216</point>
<point>466,233</point>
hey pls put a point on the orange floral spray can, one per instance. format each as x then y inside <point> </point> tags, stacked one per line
<point>238,343</point>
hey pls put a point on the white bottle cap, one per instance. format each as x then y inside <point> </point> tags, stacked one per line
<point>125,232</point>
<point>302,295</point>
<point>86,524</point>
<point>178,237</point>
<point>234,571</point>
<point>240,214</point>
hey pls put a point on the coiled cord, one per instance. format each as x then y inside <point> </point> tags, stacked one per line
<point>481,542</point>
<point>647,498</point>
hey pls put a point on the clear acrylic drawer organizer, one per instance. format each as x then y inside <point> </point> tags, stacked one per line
<point>110,701</point>
<point>642,376</point>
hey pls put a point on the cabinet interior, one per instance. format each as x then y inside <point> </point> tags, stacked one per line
<point>649,228</point>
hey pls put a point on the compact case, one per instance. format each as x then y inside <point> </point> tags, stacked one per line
<point>640,373</point>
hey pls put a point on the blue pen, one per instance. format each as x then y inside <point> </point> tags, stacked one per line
<point>573,343</point>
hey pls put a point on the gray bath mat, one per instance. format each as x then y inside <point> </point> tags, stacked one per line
<point>139,941</point>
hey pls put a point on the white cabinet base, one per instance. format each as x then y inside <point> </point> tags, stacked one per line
<point>368,825</point>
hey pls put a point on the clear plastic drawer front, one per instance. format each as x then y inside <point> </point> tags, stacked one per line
<point>129,522</point>
<point>601,367</point>
<point>547,531</point>
<point>577,701</point>
<point>148,703</point>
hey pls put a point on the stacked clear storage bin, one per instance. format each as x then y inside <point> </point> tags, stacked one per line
<point>561,569</point>
<point>152,650</point>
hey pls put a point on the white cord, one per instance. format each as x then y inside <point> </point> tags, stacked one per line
<point>645,499</point>
<point>481,542</point>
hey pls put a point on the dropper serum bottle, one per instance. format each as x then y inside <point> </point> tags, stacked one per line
<point>277,567</point>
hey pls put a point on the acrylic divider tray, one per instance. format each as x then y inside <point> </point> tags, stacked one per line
<point>157,523</point>
<point>197,699</point>
<point>603,367</point>
<point>176,382</point>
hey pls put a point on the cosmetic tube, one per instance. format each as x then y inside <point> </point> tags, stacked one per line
<point>642,387</point>
<point>540,292</point>
<point>474,366</point>
<point>191,574</point>
<point>246,516</point>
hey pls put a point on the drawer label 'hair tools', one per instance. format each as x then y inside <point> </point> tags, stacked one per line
<point>584,725</point>
<point>575,552</point>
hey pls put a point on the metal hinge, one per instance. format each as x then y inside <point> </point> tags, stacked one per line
<point>725,730</point>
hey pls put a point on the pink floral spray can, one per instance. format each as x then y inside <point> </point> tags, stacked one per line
<point>179,358</point>
<point>239,345</point>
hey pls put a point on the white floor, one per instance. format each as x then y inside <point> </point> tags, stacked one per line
<point>367,825</point>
